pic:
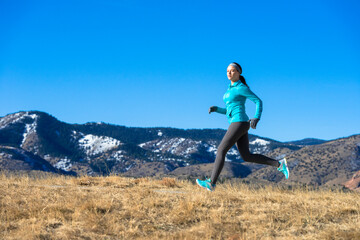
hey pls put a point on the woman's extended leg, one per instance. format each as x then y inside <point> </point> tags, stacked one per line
<point>234,132</point>
<point>243,145</point>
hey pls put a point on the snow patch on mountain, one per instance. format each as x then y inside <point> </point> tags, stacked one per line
<point>191,149</point>
<point>97,144</point>
<point>233,151</point>
<point>259,141</point>
<point>177,146</point>
<point>118,155</point>
<point>64,164</point>
<point>76,135</point>
<point>259,146</point>
<point>259,150</point>
<point>175,142</point>
<point>142,145</point>
<point>29,128</point>
<point>211,148</point>
<point>14,118</point>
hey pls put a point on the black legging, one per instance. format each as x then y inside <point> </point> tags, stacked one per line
<point>237,134</point>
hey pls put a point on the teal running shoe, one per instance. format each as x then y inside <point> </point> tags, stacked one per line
<point>206,184</point>
<point>284,168</point>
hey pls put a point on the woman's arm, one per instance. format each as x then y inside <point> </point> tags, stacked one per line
<point>221,110</point>
<point>245,91</point>
<point>217,109</point>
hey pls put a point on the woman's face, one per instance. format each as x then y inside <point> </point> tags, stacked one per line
<point>232,74</point>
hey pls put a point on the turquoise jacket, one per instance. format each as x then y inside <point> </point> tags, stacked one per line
<point>235,98</point>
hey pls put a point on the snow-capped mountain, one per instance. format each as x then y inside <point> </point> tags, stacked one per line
<point>100,148</point>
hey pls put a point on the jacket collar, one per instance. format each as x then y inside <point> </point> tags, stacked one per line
<point>235,84</point>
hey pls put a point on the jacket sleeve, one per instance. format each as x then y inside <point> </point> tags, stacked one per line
<point>220,110</point>
<point>246,92</point>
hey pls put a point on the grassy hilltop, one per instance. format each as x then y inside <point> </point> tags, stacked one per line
<point>58,207</point>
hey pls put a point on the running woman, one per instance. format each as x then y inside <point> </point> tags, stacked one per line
<point>237,133</point>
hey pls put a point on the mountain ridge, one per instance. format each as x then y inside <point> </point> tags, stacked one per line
<point>102,149</point>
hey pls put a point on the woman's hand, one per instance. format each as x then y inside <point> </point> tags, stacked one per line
<point>212,109</point>
<point>253,122</point>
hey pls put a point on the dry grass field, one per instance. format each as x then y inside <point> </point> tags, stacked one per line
<point>58,207</point>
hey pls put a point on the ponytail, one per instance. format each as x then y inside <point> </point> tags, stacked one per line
<point>242,79</point>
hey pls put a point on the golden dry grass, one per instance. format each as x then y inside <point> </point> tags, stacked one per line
<point>115,207</point>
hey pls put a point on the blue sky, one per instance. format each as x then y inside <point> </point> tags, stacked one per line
<point>163,63</point>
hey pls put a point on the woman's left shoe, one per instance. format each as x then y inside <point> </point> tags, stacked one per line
<point>206,184</point>
<point>284,168</point>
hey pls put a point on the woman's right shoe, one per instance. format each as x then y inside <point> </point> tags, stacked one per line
<point>284,168</point>
<point>206,184</point>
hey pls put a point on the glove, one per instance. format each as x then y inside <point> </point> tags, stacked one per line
<point>212,109</point>
<point>253,122</point>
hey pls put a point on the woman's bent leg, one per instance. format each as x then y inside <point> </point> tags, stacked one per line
<point>234,132</point>
<point>243,145</point>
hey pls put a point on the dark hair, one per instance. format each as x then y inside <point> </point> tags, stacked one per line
<point>242,79</point>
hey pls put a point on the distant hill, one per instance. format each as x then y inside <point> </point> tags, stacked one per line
<point>307,141</point>
<point>329,163</point>
<point>34,140</point>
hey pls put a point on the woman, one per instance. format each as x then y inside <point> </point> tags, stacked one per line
<point>237,133</point>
